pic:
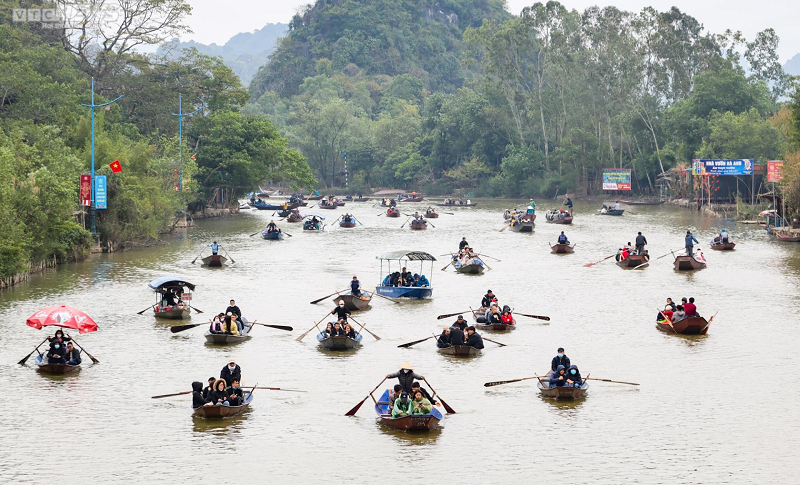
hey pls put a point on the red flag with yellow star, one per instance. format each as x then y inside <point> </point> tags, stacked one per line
<point>115,166</point>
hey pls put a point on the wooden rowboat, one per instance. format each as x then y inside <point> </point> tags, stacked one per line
<point>612,212</point>
<point>459,351</point>
<point>413,423</point>
<point>392,213</point>
<point>315,197</point>
<point>272,236</point>
<point>687,326</point>
<point>562,249</point>
<point>562,392</point>
<point>176,312</point>
<point>786,237</point>
<point>564,220</point>
<point>219,412</point>
<point>226,339</point>
<point>361,199</point>
<point>523,226</point>
<point>443,204</point>
<point>214,261</point>
<point>47,368</point>
<point>418,225</point>
<point>632,261</point>
<point>344,223</point>
<point>475,266</point>
<point>687,263</point>
<point>294,217</point>
<point>723,246</point>
<point>354,303</point>
<point>479,316</point>
<point>339,343</point>
<point>430,215</point>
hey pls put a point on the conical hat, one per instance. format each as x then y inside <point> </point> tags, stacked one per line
<point>406,365</point>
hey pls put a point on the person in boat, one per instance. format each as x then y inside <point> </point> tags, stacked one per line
<point>616,206</point>
<point>235,394</point>
<point>724,237</point>
<point>169,298</point>
<point>328,330</point>
<point>395,279</point>
<point>665,315</point>
<point>349,332</point>
<point>460,323</point>
<point>229,326</point>
<point>402,406</point>
<point>493,315</point>
<point>671,304</point>
<point>506,316</point>
<point>444,339</point>
<point>690,308</point>
<point>355,287</point>
<point>209,388</point>
<point>394,393</point>
<point>506,215</point>
<point>406,375</point>
<point>560,359</point>
<point>406,277</point>
<point>341,312</point>
<point>271,227</point>
<point>198,395</point>
<point>562,238</point>
<point>646,255</point>
<point>699,256</point>
<point>574,376</point>
<point>72,355</point>
<point>463,243</point>
<point>568,203</point>
<point>231,372</point>
<point>678,314</point>
<point>690,240</point>
<point>618,255</point>
<point>641,242</point>
<point>474,339</point>
<point>488,298</point>
<point>415,280</point>
<point>421,404</point>
<point>559,377</point>
<point>623,255</point>
<point>531,210</point>
<point>423,281</point>
<point>417,387</point>
<point>219,396</point>
<point>58,337</point>
<point>56,353</point>
<point>604,209</point>
<point>216,324</point>
<point>234,311</point>
<point>214,248</point>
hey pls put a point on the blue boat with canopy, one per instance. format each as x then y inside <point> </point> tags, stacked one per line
<point>393,288</point>
<point>174,297</point>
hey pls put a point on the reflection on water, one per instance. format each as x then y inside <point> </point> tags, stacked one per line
<point>671,428</point>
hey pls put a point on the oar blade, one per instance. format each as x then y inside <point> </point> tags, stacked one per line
<point>279,327</point>
<point>355,409</point>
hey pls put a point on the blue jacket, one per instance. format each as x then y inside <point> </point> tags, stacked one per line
<point>554,382</point>
<point>689,239</point>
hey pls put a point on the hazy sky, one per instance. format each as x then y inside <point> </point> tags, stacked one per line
<point>214,21</point>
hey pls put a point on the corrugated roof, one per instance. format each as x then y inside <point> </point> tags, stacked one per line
<point>409,255</point>
<point>170,280</point>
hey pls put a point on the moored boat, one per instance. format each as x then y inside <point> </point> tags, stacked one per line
<point>562,392</point>
<point>214,261</point>
<point>786,237</point>
<point>562,249</point>
<point>459,351</point>
<point>227,339</point>
<point>632,261</point>
<point>413,423</point>
<point>352,302</point>
<point>687,263</point>
<point>687,326</point>
<point>219,411</point>
<point>47,368</point>
<point>173,299</point>
<point>339,343</point>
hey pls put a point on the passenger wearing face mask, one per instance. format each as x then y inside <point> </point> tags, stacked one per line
<point>574,377</point>
<point>56,353</point>
<point>231,372</point>
<point>560,359</point>
<point>341,312</point>
<point>235,395</point>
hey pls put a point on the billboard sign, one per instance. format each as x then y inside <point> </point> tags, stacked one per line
<point>774,171</point>
<point>722,167</point>
<point>100,192</point>
<point>86,190</point>
<point>616,179</point>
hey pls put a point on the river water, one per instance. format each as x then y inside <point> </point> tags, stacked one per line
<point>714,409</point>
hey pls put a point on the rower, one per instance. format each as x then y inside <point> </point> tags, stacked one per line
<point>690,240</point>
<point>463,243</point>
<point>488,298</point>
<point>474,339</point>
<point>724,237</point>
<point>568,203</point>
<point>574,377</point>
<point>406,376</point>
<point>230,372</point>
<point>562,238</point>
<point>355,287</point>
<point>214,248</point>
<point>271,227</point>
<point>460,323</point>
<point>641,242</point>
<point>341,312</point>
<point>531,210</point>
<point>560,359</point>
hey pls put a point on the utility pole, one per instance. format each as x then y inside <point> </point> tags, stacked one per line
<point>180,114</point>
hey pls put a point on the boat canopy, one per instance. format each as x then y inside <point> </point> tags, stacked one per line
<point>314,214</point>
<point>170,280</point>
<point>409,255</point>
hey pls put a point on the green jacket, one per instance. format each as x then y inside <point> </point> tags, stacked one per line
<point>400,410</point>
<point>422,407</point>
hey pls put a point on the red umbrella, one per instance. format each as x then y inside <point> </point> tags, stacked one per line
<point>62,316</point>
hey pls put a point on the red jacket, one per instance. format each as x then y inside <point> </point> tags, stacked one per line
<point>507,318</point>
<point>668,314</point>
<point>690,309</point>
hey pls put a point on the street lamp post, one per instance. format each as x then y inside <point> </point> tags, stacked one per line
<point>180,114</point>
<point>93,209</point>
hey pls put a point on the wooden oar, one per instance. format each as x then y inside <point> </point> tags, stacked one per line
<point>287,234</point>
<point>25,359</point>
<point>181,328</point>
<point>671,251</point>
<point>148,308</point>
<point>405,346</point>
<point>486,255</point>
<point>643,264</point>
<point>707,323</point>
<point>446,407</point>
<point>667,320</point>
<point>540,317</point>
<point>272,388</point>
<point>431,224</point>
<point>174,394</point>
<point>450,315</point>
<point>386,297</point>
<point>316,324</point>
<point>359,222</point>
<point>362,328</point>
<point>258,232</point>
<point>327,296</point>
<point>84,350</point>
<point>405,223</point>
<point>353,411</point>
<point>448,264</point>
<point>201,253</point>
<point>492,341</point>
<point>504,228</point>
<point>229,256</point>
<point>497,383</point>
<point>279,327</point>
<point>197,310</point>
<point>487,265</point>
<point>592,264</point>
<point>609,380</point>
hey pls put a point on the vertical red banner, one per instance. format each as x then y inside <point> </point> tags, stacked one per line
<point>86,190</point>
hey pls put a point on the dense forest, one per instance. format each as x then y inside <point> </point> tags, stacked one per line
<point>459,96</point>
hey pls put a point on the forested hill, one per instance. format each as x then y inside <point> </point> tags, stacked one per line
<point>391,37</point>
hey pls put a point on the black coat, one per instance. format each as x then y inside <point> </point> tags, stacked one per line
<point>456,336</point>
<point>557,362</point>
<point>462,325</point>
<point>338,332</point>
<point>487,300</point>
<point>405,378</point>
<point>230,376</point>
<point>237,401</point>
<point>218,396</point>
<point>74,355</point>
<point>576,377</point>
<point>641,241</point>
<point>443,341</point>
<point>206,392</point>
<point>475,341</point>
<point>198,396</point>
<point>234,310</point>
<point>341,312</point>
<point>462,245</point>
